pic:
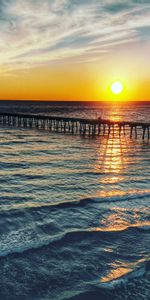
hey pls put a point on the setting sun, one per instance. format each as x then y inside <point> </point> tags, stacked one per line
<point>117,87</point>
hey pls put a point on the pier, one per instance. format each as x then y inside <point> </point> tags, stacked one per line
<point>89,127</point>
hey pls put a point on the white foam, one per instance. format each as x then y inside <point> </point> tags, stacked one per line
<point>23,240</point>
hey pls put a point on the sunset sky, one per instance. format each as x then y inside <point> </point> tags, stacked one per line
<point>74,49</point>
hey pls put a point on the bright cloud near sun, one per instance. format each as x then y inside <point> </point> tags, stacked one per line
<point>38,33</point>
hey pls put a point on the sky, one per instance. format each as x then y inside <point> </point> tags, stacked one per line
<point>74,49</point>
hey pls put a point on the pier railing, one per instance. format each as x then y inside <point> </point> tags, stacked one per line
<point>90,127</point>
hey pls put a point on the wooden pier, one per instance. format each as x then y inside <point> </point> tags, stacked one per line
<point>89,127</point>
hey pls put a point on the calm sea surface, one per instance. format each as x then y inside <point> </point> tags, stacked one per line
<point>74,211</point>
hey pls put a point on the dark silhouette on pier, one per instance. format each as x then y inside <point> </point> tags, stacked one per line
<point>90,127</point>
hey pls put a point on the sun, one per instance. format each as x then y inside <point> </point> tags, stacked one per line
<point>117,87</point>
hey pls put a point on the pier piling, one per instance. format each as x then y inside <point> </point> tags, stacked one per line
<point>90,127</point>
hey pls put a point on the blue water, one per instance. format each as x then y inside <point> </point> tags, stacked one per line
<point>74,211</point>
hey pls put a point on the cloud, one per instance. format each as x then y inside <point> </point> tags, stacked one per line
<point>34,33</point>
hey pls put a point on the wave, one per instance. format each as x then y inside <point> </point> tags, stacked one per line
<point>66,204</point>
<point>140,226</point>
<point>29,239</point>
<point>25,240</point>
<point>54,205</point>
<point>116,288</point>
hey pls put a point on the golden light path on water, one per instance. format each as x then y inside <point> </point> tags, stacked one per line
<point>114,156</point>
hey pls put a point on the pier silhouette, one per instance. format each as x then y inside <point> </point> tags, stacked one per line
<point>82,126</point>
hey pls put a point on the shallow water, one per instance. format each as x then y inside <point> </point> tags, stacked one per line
<point>74,211</point>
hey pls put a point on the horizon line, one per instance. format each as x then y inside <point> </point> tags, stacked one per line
<point>64,100</point>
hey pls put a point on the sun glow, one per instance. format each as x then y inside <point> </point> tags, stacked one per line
<point>117,87</point>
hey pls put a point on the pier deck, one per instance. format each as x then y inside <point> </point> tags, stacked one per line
<point>90,127</point>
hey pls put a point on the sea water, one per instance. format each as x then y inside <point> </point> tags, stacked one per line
<point>74,211</point>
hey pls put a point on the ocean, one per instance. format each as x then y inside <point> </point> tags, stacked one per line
<point>74,211</point>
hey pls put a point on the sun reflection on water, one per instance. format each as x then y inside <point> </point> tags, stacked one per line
<point>114,158</point>
<point>115,274</point>
<point>120,269</point>
<point>111,162</point>
<point>111,157</point>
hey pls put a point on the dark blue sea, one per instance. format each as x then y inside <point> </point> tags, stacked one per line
<point>74,211</point>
